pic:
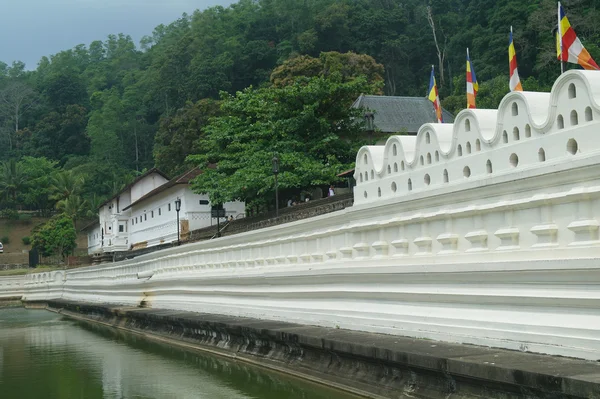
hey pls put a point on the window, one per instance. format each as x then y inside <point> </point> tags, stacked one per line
<point>560,122</point>
<point>151,214</point>
<point>542,155</point>
<point>421,160</point>
<point>409,185</point>
<point>445,176</point>
<point>145,216</point>
<point>468,146</point>
<point>121,228</point>
<point>527,131</point>
<point>395,167</point>
<point>466,171</point>
<point>428,158</point>
<point>460,150</point>
<point>477,145</point>
<point>574,118</point>
<point>366,161</point>
<point>488,166</point>
<point>572,91</point>
<point>467,125</point>
<point>504,137</point>
<point>427,138</point>
<point>588,114</point>
<point>169,205</point>
<point>394,150</point>
<point>515,109</point>
<point>389,168</point>
<point>516,134</point>
<point>158,211</point>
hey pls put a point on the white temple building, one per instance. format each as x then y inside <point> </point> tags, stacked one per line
<point>143,214</point>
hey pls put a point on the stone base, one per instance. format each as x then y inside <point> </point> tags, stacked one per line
<point>373,365</point>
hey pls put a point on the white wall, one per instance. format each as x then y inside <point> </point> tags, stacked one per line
<point>94,240</point>
<point>508,259</point>
<point>156,224</point>
<point>145,185</point>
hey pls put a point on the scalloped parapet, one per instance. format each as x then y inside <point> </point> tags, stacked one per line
<point>529,130</point>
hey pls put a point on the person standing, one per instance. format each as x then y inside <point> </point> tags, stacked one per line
<point>331,192</point>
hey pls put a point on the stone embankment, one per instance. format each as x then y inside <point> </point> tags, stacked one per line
<point>367,364</point>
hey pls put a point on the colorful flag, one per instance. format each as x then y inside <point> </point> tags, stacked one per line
<point>569,47</point>
<point>472,85</point>
<point>434,97</point>
<point>515,82</point>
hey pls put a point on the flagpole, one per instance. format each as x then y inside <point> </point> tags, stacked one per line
<point>559,33</point>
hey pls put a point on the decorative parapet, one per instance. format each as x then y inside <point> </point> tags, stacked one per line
<point>529,130</point>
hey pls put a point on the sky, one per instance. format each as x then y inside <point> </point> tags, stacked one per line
<point>30,29</point>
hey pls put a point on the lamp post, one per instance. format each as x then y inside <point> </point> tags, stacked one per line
<point>177,209</point>
<point>275,161</point>
<point>370,123</point>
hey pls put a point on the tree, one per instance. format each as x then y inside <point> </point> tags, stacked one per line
<point>177,136</point>
<point>55,237</point>
<point>73,206</point>
<point>39,173</point>
<point>12,181</point>
<point>309,124</point>
<point>66,184</point>
<point>348,66</point>
<point>15,99</point>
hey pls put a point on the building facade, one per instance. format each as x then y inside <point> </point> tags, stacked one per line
<point>143,213</point>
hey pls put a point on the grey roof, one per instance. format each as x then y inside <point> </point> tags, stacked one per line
<point>396,114</point>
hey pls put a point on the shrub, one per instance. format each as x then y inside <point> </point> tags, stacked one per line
<point>5,240</point>
<point>55,237</point>
<point>11,214</point>
<point>26,240</point>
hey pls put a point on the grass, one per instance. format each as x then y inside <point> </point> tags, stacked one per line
<point>21,272</point>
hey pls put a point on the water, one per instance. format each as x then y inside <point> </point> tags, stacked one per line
<point>43,355</point>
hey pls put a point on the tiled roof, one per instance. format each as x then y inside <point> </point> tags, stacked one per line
<point>398,114</point>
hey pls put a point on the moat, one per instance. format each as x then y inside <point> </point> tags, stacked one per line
<point>44,355</point>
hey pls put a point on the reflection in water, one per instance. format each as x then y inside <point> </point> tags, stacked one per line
<point>43,355</point>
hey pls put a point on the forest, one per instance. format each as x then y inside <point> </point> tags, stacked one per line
<point>231,86</point>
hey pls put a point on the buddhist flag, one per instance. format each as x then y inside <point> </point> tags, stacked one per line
<point>472,85</point>
<point>515,82</point>
<point>569,47</point>
<point>434,97</point>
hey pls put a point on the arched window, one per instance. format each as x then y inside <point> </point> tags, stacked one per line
<point>395,167</point>
<point>588,114</point>
<point>389,169</point>
<point>428,158</point>
<point>460,150</point>
<point>572,91</point>
<point>488,166</point>
<point>560,122</point>
<point>366,159</point>
<point>372,174</point>
<point>421,160</point>
<point>467,125</point>
<point>515,109</point>
<point>361,177</point>
<point>527,131</point>
<point>437,156</point>
<point>409,185</point>
<point>468,147</point>
<point>466,171</point>
<point>516,134</point>
<point>394,150</point>
<point>366,176</point>
<point>542,155</point>
<point>445,175</point>
<point>402,165</point>
<point>574,118</point>
<point>477,145</point>
<point>427,138</point>
<point>379,191</point>
<point>504,137</point>
<point>427,179</point>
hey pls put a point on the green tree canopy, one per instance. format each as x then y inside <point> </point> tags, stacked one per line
<point>308,124</point>
<point>55,237</point>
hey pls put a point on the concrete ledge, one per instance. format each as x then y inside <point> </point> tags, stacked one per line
<point>373,365</point>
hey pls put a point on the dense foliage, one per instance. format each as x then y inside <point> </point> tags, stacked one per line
<point>210,85</point>
<point>55,237</point>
